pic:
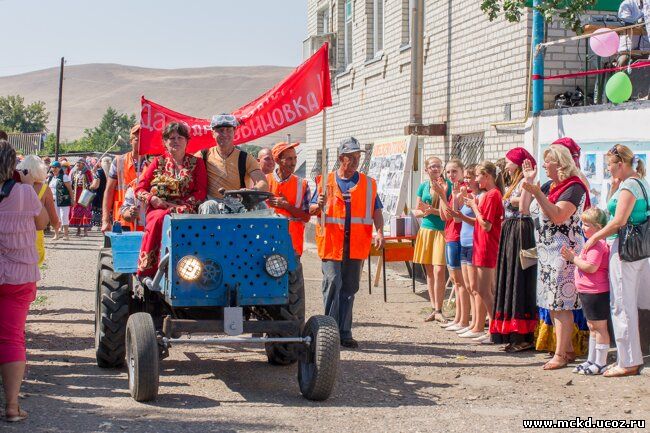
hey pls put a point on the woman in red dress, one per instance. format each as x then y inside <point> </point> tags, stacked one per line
<point>80,215</point>
<point>173,183</point>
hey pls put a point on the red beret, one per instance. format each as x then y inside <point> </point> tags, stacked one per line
<point>518,155</point>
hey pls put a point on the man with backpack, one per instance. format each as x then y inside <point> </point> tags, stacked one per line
<point>228,167</point>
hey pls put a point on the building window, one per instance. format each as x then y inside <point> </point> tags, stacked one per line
<point>468,147</point>
<point>375,14</point>
<point>323,21</point>
<point>347,33</point>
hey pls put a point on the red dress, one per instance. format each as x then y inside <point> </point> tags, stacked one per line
<point>486,244</point>
<point>183,186</point>
<point>81,216</point>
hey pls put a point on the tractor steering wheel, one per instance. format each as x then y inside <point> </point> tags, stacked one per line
<point>249,197</point>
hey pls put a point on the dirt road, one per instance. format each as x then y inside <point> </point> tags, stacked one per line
<point>407,376</point>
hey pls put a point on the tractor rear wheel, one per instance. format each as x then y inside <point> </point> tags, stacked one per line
<point>288,353</point>
<point>112,297</point>
<point>142,357</point>
<point>318,371</point>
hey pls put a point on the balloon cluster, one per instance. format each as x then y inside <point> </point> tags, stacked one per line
<point>604,42</point>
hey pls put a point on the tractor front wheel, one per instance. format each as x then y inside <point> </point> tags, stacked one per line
<point>142,357</point>
<point>317,372</point>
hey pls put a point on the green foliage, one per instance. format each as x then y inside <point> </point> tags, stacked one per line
<point>15,116</point>
<point>567,11</point>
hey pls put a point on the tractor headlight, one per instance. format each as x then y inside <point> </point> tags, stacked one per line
<point>189,268</point>
<point>276,265</point>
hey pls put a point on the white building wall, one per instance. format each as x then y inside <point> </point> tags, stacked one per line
<point>472,69</point>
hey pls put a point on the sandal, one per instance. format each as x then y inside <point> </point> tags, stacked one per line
<point>618,371</point>
<point>553,364</point>
<point>593,370</point>
<point>579,368</point>
<point>431,317</point>
<point>519,347</point>
<point>440,317</point>
<point>22,415</point>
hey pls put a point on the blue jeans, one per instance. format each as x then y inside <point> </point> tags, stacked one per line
<point>452,254</point>
<point>466,255</point>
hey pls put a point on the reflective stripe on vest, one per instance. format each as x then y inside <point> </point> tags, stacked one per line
<point>285,189</point>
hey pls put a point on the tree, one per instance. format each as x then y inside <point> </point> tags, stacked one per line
<point>112,126</point>
<point>253,149</point>
<point>15,116</point>
<point>568,11</point>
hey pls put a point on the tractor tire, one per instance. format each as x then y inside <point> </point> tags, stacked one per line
<point>288,353</point>
<point>318,371</point>
<point>142,357</point>
<point>112,300</point>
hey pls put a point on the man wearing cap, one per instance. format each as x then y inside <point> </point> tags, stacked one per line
<point>351,207</point>
<point>122,175</point>
<point>291,192</point>
<point>266,161</point>
<point>228,167</point>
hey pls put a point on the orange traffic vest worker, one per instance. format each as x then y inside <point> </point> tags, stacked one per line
<point>351,207</point>
<point>122,174</point>
<point>291,192</point>
<point>294,190</point>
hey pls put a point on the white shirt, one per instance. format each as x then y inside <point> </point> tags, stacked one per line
<point>631,12</point>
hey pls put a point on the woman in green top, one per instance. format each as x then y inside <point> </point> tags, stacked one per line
<point>430,242</point>
<point>628,280</point>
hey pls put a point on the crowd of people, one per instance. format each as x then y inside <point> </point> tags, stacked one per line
<point>535,266</point>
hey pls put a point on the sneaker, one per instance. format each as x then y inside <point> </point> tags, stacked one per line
<point>350,343</point>
<point>463,330</point>
<point>454,327</point>
<point>482,337</point>
<point>448,324</point>
<point>471,334</point>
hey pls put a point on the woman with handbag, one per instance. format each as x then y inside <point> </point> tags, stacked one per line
<point>515,310</point>
<point>558,205</point>
<point>629,266</point>
<point>81,215</point>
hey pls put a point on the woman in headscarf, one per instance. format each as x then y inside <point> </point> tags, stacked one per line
<point>515,310</point>
<point>81,216</point>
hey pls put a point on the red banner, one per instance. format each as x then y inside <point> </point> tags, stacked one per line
<point>299,96</point>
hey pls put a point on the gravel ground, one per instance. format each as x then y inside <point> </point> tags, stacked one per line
<point>407,376</point>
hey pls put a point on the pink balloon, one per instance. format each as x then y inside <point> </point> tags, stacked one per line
<point>604,42</point>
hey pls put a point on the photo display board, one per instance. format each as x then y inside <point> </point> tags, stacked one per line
<point>390,165</point>
<point>594,166</point>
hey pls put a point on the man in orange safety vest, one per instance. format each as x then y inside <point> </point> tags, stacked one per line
<point>351,208</point>
<point>291,192</point>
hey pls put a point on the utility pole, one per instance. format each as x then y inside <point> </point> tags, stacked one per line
<point>58,116</point>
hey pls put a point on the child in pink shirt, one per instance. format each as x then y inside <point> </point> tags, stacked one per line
<point>592,283</point>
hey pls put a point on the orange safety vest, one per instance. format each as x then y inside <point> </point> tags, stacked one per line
<point>293,190</point>
<point>126,177</point>
<point>330,238</point>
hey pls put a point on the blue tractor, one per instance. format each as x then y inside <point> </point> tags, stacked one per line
<point>228,278</point>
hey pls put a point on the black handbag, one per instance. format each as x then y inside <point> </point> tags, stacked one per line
<point>634,240</point>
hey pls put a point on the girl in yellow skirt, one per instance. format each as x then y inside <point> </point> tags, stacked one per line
<point>430,242</point>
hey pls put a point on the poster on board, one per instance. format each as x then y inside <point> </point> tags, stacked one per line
<point>390,165</point>
<point>593,163</point>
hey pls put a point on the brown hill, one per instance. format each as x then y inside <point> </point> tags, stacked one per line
<point>201,92</point>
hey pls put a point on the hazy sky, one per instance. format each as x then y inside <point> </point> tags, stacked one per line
<point>157,34</point>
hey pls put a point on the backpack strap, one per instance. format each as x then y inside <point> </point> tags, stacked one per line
<point>241,165</point>
<point>6,189</point>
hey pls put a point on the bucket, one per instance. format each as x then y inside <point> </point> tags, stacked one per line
<point>86,197</point>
